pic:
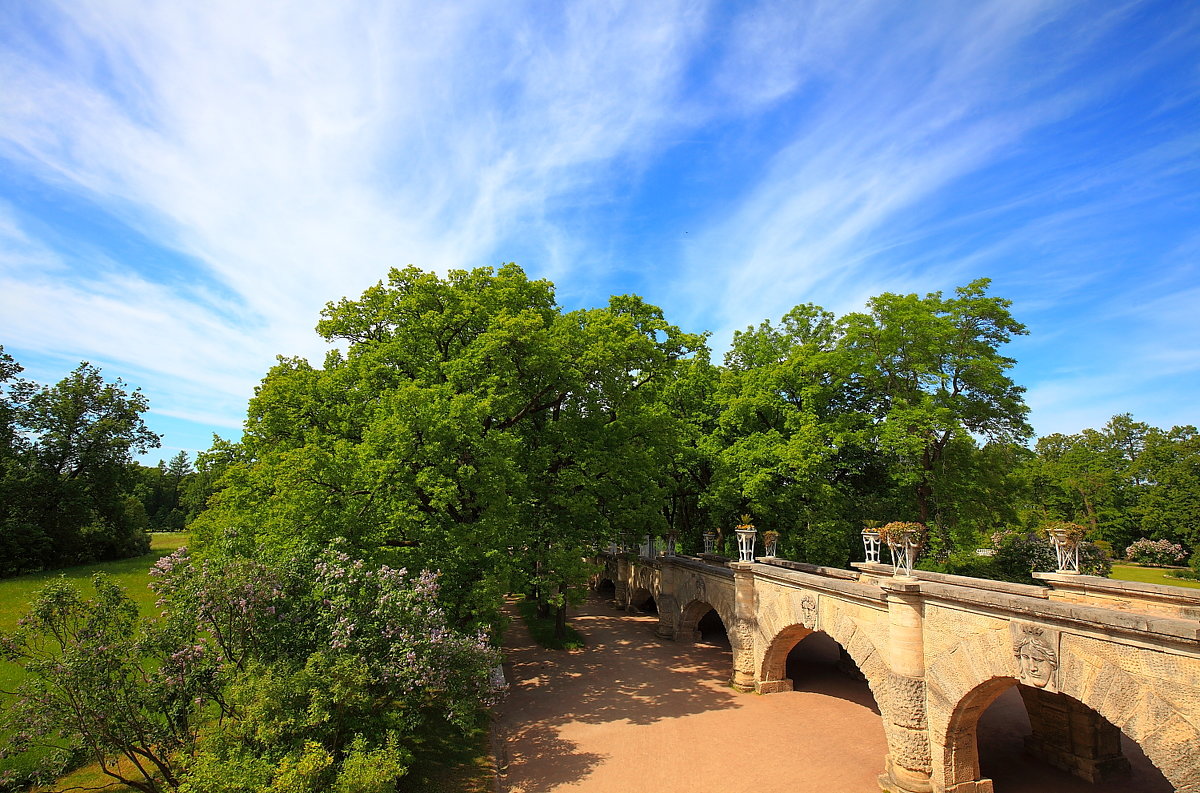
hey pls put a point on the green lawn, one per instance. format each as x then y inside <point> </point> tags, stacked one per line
<point>17,593</point>
<point>1149,575</point>
<point>542,629</point>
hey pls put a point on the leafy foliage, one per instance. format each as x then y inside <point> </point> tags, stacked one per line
<point>471,426</point>
<point>315,681</point>
<point>65,463</point>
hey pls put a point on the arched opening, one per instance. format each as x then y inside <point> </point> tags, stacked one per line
<point>800,659</point>
<point>643,601</point>
<point>701,622</point>
<point>711,630</point>
<point>606,589</point>
<point>1026,739</point>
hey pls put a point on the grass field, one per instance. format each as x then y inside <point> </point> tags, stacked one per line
<point>1149,575</point>
<point>17,593</point>
<point>542,629</point>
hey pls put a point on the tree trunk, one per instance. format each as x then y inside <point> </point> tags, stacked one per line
<point>560,622</point>
<point>1090,509</point>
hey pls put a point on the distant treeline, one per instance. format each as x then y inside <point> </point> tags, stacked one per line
<point>70,492</point>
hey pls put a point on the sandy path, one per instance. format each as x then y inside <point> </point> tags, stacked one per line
<point>634,713</point>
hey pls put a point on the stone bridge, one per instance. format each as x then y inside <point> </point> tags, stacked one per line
<point>1091,657</point>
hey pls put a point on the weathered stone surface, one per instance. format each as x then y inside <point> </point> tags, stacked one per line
<point>906,701</point>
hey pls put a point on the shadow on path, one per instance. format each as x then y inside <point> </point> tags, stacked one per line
<point>631,711</point>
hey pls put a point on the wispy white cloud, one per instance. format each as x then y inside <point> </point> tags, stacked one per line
<point>293,154</point>
<point>283,155</point>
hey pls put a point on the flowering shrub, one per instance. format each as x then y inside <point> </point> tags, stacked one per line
<point>318,674</point>
<point>1162,552</point>
<point>391,626</point>
<point>899,532</point>
<point>1018,554</point>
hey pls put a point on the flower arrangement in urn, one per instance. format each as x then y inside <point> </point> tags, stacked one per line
<point>745,536</point>
<point>770,542</point>
<point>904,540</point>
<point>1067,537</point>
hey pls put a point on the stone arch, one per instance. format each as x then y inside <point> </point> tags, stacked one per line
<point>772,675</point>
<point>1139,709</point>
<point>691,614</point>
<point>961,758</point>
<point>965,681</point>
<point>642,597</point>
<point>605,587</point>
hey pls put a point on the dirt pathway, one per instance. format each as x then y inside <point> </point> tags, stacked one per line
<point>632,713</point>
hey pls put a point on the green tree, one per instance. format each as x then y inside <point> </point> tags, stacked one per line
<point>66,469</point>
<point>786,415</point>
<point>470,426</point>
<point>1169,467</point>
<point>1095,478</point>
<point>930,372</point>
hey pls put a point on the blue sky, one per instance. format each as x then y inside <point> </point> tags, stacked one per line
<point>184,185</point>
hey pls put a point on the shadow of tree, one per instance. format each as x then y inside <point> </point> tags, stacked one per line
<point>624,676</point>
<point>539,740</point>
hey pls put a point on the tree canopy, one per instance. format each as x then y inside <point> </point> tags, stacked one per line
<point>66,456</point>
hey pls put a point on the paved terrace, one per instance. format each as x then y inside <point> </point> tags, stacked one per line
<point>1091,658</point>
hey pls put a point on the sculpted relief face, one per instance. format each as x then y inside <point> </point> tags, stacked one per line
<point>1037,660</point>
<point>1037,663</point>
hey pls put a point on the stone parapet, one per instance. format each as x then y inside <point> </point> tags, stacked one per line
<point>1169,601</point>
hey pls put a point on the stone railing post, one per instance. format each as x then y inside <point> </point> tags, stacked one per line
<point>745,623</point>
<point>909,765</point>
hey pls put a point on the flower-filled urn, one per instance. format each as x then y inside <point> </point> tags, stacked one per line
<point>904,541</point>
<point>1067,537</point>
<point>871,542</point>
<point>746,535</point>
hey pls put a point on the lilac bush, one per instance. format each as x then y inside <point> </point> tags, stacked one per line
<point>1155,552</point>
<point>390,623</point>
<point>295,674</point>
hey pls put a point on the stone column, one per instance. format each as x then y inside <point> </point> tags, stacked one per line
<point>621,594</point>
<point>668,609</point>
<point>1069,735</point>
<point>745,623</point>
<point>908,766</point>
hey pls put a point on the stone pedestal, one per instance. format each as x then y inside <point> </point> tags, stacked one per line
<point>898,779</point>
<point>908,769</point>
<point>667,609</point>
<point>773,686</point>
<point>1072,736</point>
<point>745,623</point>
<point>622,594</point>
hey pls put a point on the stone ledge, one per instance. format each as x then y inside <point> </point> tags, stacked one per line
<point>805,567</point>
<point>1091,616</point>
<point>1110,586</point>
<point>848,587</point>
<point>986,584</point>
<point>692,563</point>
